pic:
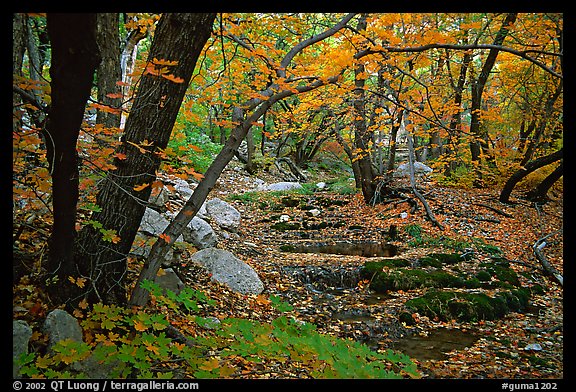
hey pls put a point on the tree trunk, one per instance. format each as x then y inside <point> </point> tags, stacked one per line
<point>538,194</point>
<point>75,57</point>
<point>179,38</point>
<point>525,170</point>
<point>109,72</point>
<point>393,135</point>
<point>456,120</point>
<point>542,124</point>
<point>361,135</point>
<point>479,145</point>
<point>127,61</point>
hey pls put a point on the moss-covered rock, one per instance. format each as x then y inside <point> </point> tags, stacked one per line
<point>408,279</point>
<point>290,201</point>
<point>500,269</point>
<point>437,260</point>
<point>371,267</point>
<point>448,305</point>
<point>283,226</point>
<point>483,276</point>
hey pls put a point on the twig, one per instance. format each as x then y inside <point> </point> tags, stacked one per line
<point>494,209</point>
<point>537,248</point>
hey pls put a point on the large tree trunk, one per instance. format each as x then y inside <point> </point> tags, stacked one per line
<point>525,170</point>
<point>538,194</point>
<point>75,57</point>
<point>361,135</point>
<point>179,38</point>
<point>109,71</point>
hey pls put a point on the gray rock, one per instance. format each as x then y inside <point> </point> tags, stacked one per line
<point>225,215</point>
<point>154,223</point>
<point>21,334</point>
<point>60,325</point>
<point>419,169</point>
<point>161,198</point>
<point>533,347</point>
<point>281,186</point>
<point>93,368</point>
<point>170,281</point>
<point>143,244</point>
<point>183,188</point>
<point>200,234</point>
<point>229,270</point>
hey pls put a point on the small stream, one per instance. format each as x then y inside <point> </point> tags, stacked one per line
<point>336,288</point>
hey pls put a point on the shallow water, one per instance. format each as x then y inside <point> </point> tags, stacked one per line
<point>436,344</point>
<point>349,248</point>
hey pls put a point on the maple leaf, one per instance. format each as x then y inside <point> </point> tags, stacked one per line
<point>164,62</point>
<point>152,347</point>
<point>165,237</point>
<point>140,187</point>
<point>173,78</point>
<point>210,364</point>
<point>140,326</point>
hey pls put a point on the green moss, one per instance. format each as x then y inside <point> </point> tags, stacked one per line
<point>472,283</point>
<point>408,279</point>
<point>447,305</point>
<point>290,201</point>
<point>483,276</point>
<point>283,226</point>
<point>371,267</point>
<point>500,269</point>
<point>437,260</point>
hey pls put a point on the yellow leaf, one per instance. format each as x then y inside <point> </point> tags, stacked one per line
<point>210,364</point>
<point>151,347</point>
<point>139,326</point>
<point>138,188</point>
<point>80,282</point>
<point>161,272</point>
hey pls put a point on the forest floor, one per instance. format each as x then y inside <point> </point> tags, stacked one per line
<point>519,345</point>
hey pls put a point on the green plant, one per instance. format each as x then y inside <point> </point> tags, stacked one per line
<point>130,343</point>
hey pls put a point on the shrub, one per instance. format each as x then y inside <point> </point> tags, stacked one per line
<point>135,344</point>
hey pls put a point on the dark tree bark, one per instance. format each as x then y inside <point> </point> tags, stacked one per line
<point>525,170</point>
<point>18,42</point>
<point>179,38</point>
<point>109,71</point>
<point>75,57</point>
<point>539,193</point>
<point>361,135</point>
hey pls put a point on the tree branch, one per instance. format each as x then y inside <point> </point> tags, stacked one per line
<point>414,49</point>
